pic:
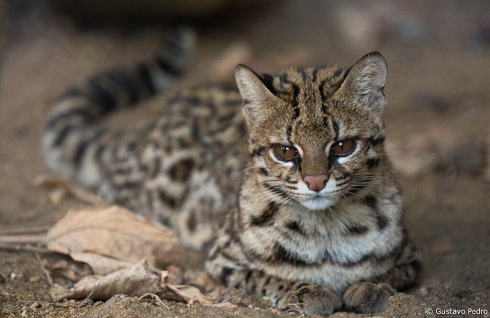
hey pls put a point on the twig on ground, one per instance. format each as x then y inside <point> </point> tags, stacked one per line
<point>23,248</point>
<point>22,239</point>
<point>55,182</point>
<point>153,297</point>
<point>176,291</point>
<point>46,272</point>
<point>83,194</point>
<point>28,230</point>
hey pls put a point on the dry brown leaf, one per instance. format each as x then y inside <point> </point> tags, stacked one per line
<point>68,268</point>
<point>101,265</point>
<point>136,280</point>
<point>190,294</point>
<point>187,293</point>
<point>100,235</point>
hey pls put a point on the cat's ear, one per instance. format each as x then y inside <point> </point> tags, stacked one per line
<point>366,81</point>
<point>254,92</point>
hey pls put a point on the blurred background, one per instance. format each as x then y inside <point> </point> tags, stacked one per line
<point>438,114</point>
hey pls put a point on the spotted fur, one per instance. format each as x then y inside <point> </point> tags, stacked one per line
<point>207,168</point>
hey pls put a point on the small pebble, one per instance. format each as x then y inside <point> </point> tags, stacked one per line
<point>462,293</point>
<point>423,291</point>
<point>34,279</point>
<point>90,301</point>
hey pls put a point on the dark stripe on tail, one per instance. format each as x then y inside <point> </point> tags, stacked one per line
<point>71,129</point>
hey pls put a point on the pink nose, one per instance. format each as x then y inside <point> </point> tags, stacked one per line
<point>316,183</point>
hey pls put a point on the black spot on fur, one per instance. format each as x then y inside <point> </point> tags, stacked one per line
<point>376,141</point>
<point>294,226</point>
<point>281,255</point>
<point>263,171</point>
<point>165,198</point>
<point>258,151</point>
<point>372,163</point>
<point>225,274</point>
<point>248,276</point>
<point>181,170</point>
<point>266,217</point>
<point>382,221</point>
<point>357,229</point>
<point>164,220</point>
<point>370,201</point>
<point>191,221</point>
<point>338,72</point>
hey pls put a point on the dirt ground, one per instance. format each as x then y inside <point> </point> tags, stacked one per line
<point>438,54</point>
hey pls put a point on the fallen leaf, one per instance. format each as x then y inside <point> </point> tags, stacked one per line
<point>101,265</point>
<point>136,280</point>
<point>65,266</point>
<point>109,238</point>
<point>186,293</point>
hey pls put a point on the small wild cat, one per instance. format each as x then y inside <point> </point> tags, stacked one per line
<point>308,213</point>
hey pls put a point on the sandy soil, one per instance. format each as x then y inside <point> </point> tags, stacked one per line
<point>439,66</point>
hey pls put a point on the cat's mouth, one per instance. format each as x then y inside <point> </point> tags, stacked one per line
<point>318,201</point>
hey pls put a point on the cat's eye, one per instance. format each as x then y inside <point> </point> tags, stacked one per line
<point>285,153</point>
<point>343,148</point>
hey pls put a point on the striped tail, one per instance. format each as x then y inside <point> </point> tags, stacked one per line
<point>72,134</point>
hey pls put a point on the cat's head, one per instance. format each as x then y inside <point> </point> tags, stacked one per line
<point>316,134</point>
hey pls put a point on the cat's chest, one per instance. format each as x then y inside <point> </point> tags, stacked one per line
<point>318,239</point>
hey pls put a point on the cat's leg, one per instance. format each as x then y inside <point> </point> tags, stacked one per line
<point>372,297</point>
<point>298,296</point>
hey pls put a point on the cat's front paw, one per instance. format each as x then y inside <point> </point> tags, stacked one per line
<point>312,300</point>
<point>367,297</point>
